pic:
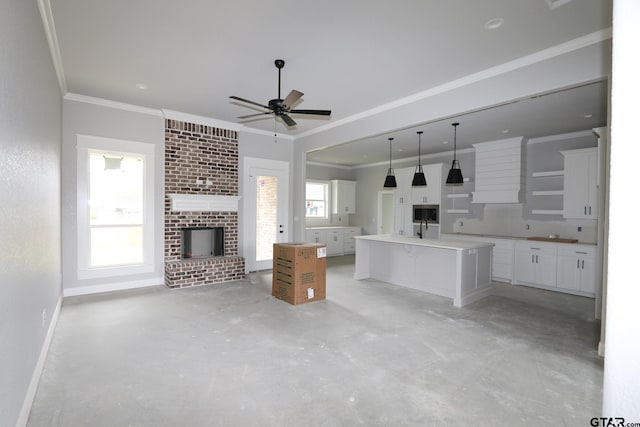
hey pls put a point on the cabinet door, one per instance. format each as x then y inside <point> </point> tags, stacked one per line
<point>349,241</point>
<point>588,275</point>
<point>546,266</point>
<point>569,272</point>
<point>317,236</point>
<point>580,184</point>
<point>419,195</point>
<point>433,173</point>
<point>335,239</point>
<point>592,186</point>
<point>343,198</point>
<point>525,266</point>
<point>402,193</point>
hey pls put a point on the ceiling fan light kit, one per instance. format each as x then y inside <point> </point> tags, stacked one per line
<point>390,180</point>
<point>455,174</point>
<point>419,179</point>
<point>281,107</point>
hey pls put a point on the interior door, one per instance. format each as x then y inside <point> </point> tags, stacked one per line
<point>266,219</point>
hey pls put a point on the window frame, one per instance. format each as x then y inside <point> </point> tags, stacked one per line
<point>85,144</point>
<point>327,199</point>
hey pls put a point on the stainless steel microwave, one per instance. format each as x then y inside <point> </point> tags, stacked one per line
<point>426,213</point>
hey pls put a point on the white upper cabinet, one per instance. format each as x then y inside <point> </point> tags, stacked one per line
<point>581,183</point>
<point>432,193</point>
<point>499,171</point>
<point>402,193</point>
<point>343,198</point>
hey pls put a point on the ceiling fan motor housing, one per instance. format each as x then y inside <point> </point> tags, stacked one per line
<point>276,106</point>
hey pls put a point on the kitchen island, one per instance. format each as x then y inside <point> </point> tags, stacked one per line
<point>459,270</point>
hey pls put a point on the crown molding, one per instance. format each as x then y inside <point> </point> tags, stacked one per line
<point>560,137</point>
<point>222,124</point>
<point>329,165</point>
<point>407,159</point>
<point>50,31</point>
<point>201,120</point>
<point>534,58</point>
<point>112,104</point>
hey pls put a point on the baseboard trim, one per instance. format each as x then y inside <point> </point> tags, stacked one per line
<point>37,372</point>
<point>110,287</point>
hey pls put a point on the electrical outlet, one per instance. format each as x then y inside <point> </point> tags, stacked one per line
<point>526,226</point>
<point>461,223</point>
<point>44,316</point>
<point>579,229</point>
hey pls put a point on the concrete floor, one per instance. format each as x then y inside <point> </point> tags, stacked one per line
<point>371,354</point>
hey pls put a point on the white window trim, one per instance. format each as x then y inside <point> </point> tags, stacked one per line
<point>84,144</point>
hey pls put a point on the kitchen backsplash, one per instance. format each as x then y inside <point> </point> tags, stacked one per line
<point>508,220</point>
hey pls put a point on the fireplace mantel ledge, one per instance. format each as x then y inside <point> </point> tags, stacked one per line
<point>203,203</point>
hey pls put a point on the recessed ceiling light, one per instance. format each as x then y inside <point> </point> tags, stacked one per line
<point>142,86</point>
<point>445,142</point>
<point>557,3</point>
<point>588,116</point>
<point>400,150</point>
<point>505,131</point>
<point>494,23</point>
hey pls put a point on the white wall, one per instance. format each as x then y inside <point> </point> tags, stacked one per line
<point>88,118</point>
<point>30,276</point>
<point>621,396</point>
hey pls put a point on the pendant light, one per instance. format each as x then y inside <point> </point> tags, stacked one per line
<point>390,180</point>
<point>455,174</point>
<point>418,177</point>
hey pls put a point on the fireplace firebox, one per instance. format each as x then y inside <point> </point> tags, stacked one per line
<point>202,242</point>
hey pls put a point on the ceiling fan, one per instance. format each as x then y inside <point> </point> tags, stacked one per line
<point>282,107</point>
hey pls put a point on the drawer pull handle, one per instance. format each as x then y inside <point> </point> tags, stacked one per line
<point>583,253</point>
<point>578,262</point>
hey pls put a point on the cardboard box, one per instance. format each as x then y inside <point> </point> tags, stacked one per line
<point>299,272</point>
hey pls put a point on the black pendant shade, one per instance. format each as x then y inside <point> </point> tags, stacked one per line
<point>418,177</point>
<point>455,174</point>
<point>390,180</point>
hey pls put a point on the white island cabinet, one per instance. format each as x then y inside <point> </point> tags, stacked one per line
<point>460,270</point>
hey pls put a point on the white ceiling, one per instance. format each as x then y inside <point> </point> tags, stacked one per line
<point>347,56</point>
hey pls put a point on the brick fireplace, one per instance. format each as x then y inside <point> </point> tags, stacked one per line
<point>201,189</point>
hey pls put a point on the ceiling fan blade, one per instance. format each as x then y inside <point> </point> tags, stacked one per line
<point>288,120</point>
<point>291,99</point>
<point>248,102</point>
<point>255,115</point>
<point>316,112</point>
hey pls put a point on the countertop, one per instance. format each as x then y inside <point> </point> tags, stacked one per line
<point>432,243</point>
<point>496,236</point>
<point>332,226</point>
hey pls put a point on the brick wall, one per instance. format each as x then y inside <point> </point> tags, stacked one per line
<point>203,160</point>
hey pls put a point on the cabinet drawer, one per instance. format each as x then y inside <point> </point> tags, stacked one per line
<point>577,250</point>
<point>546,248</point>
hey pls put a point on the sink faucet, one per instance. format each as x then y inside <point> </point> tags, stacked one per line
<point>419,233</point>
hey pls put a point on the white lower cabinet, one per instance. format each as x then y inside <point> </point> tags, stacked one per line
<point>577,268</point>
<point>339,240</point>
<point>502,255</point>
<point>335,242</point>
<point>316,236</point>
<point>536,263</point>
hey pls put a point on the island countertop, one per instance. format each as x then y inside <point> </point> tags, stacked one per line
<point>432,243</point>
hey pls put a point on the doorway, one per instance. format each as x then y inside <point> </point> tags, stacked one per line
<point>266,202</point>
<point>385,212</point>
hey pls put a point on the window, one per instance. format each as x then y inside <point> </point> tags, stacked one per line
<point>115,207</point>
<point>317,202</point>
